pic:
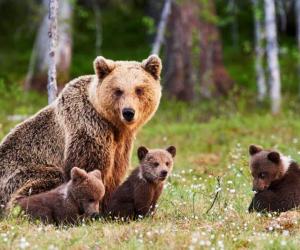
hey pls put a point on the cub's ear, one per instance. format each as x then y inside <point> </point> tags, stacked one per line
<point>142,152</point>
<point>103,66</point>
<point>97,174</point>
<point>274,157</point>
<point>171,150</point>
<point>78,175</point>
<point>254,149</point>
<point>153,66</point>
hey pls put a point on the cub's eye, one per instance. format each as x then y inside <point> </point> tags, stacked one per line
<point>156,164</point>
<point>262,175</point>
<point>91,200</point>
<point>118,92</point>
<point>139,91</point>
<point>167,163</point>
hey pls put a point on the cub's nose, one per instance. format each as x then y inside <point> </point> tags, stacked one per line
<point>128,114</point>
<point>163,173</point>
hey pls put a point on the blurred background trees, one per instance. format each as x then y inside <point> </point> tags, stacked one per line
<point>210,49</point>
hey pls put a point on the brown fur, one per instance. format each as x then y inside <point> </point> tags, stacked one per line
<point>138,195</point>
<point>277,185</point>
<point>85,126</point>
<point>79,198</point>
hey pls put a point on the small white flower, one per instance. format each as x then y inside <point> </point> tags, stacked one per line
<point>23,244</point>
<point>283,243</point>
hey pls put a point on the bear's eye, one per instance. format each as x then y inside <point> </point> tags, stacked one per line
<point>139,91</point>
<point>262,175</point>
<point>156,164</point>
<point>167,163</point>
<point>118,92</point>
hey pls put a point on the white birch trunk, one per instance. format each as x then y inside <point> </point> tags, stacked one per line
<point>39,61</point>
<point>161,27</point>
<point>259,53</point>
<point>297,14</point>
<point>272,55</point>
<point>52,85</point>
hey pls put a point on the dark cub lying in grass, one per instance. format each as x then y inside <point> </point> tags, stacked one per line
<point>276,178</point>
<point>79,198</point>
<point>138,195</point>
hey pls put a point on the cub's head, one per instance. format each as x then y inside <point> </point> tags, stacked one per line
<point>87,190</point>
<point>266,167</point>
<point>126,93</point>
<point>156,164</point>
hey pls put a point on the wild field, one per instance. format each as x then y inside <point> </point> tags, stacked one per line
<point>204,204</point>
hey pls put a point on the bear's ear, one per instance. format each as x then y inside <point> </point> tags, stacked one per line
<point>153,66</point>
<point>171,150</point>
<point>254,149</point>
<point>274,157</point>
<point>103,66</point>
<point>142,152</point>
<point>96,173</point>
<point>78,175</point>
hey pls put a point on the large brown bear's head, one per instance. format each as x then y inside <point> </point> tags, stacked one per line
<point>126,93</point>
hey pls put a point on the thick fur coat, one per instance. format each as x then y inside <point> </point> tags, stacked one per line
<point>92,124</point>
<point>276,179</point>
<point>138,195</point>
<point>68,203</point>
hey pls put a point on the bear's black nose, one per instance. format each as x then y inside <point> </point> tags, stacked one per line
<point>128,114</point>
<point>163,173</point>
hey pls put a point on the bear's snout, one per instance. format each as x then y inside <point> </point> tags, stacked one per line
<point>163,174</point>
<point>128,114</point>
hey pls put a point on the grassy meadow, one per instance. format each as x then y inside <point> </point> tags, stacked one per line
<point>212,140</point>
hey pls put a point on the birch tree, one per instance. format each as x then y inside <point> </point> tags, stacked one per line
<point>259,51</point>
<point>52,85</point>
<point>272,56</point>
<point>39,62</point>
<point>161,27</point>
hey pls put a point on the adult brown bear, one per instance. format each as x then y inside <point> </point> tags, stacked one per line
<point>92,124</point>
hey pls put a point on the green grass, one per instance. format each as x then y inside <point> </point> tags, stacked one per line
<point>212,139</point>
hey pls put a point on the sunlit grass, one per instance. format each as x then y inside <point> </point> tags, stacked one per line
<point>212,139</point>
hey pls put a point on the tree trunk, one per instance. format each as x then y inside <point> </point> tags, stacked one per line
<point>52,85</point>
<point>39,63</point>
<point>259,51</point>
<point>214,78</point>
<point>179,70</point>
<point>194,52</point>
<point>272,55</point>
<point>159,38</point>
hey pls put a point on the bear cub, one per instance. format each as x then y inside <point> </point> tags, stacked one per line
<point>138,195</point>
<point>276,180</point>
<point>78,198</point>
